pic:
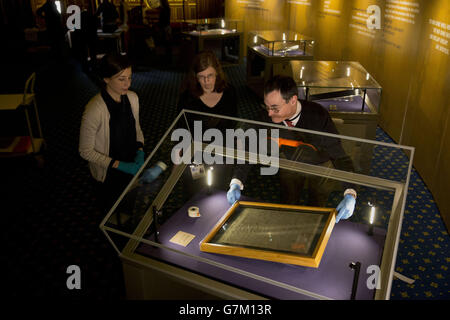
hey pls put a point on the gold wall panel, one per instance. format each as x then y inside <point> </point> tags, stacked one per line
<point>331,29</point>
<point>408,56</point>
<point>302,16</point>
<point>258,14</point>
<point>427,117</point>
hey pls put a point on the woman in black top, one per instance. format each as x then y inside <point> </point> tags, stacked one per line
<point>206,90</point>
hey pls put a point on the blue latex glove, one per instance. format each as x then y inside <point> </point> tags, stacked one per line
<point>234,193</point>
<point>346,207</point>
<point>140,158</point>
<point>128,167</point>
<point>151,174</point>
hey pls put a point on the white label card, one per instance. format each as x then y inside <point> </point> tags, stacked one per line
<point>182,238</point>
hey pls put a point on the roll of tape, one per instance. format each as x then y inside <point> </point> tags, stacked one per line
<point>193,212</point>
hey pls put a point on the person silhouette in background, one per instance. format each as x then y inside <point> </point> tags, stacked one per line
<point>165,30</point>
<point>124,8</point>
<point>109,16</point>
<point>54,26</point>
<point>84,40</point>
<point>89,29</point>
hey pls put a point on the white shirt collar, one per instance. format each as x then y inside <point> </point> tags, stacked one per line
<point>297,112</point>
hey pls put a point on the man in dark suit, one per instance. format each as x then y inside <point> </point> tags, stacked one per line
<point>283,107</point>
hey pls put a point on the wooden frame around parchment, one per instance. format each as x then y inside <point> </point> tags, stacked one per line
<point>270,255</point>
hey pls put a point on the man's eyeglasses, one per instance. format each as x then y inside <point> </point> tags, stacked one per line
<point>209,77</point>
<point>273,109</point>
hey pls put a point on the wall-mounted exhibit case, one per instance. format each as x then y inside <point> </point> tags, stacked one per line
<point>223,36</point>
<point>266,48</point>
<point>158,239</point>
<point>350,94</point>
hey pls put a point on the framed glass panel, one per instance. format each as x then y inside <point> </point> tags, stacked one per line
<point>274,232</point>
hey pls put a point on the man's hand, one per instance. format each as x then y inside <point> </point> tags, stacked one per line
<point>152,173</point>
<point>346,207</point>
<point>234,193</point>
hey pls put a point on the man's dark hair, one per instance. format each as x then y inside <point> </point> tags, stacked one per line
<point>286,85</point>
<point>112,64</point>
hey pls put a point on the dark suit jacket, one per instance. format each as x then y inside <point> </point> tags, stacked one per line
<point>312,148</point>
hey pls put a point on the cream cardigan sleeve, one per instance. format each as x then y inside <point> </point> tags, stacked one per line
<point>134,102</point>
<point>94,133</point>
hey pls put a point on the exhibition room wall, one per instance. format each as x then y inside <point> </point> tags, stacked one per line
<point>408,56</point>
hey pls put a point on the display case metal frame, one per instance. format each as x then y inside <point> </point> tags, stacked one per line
<point>142,272</point>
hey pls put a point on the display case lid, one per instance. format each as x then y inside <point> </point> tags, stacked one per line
<point>281,35</point>
<point>212,27</point>
<point>202,21</point>
<point>163,202</point>
<point>332,74</point>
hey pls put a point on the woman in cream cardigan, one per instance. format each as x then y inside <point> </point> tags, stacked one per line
<point>111,139</point>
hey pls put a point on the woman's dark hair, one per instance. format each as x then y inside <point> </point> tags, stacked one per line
<point>112,64</point>
<point>201,62</point>
<point>286,85</point>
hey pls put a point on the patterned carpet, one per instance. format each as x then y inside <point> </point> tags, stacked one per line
<point>424,251</point>
<point>52,221</point>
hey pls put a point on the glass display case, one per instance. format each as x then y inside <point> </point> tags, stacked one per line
<point>342,87</point>
<point>158,226</point>
<point>350,94</point>
<point>221,35</point>
<point>274,43</point>
<point>268,47</point>
<point>212,26</point>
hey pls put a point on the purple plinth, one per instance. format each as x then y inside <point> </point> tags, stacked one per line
<point>349,242</point>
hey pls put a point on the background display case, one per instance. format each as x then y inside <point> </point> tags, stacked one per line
<point>223,36</point>
<point>350,94</point>
<point>208,24</point>
<point>158,240</point>
<point>268,47</point>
